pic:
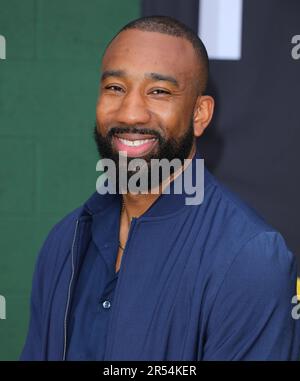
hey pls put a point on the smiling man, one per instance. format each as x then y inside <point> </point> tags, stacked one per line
<point>143,275</point>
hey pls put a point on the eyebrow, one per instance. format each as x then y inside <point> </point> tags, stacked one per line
<point>112,73</point>
<point>154,76</point>
<point>163,77</point>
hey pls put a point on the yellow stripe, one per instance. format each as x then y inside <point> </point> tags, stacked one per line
<point>298,288</point>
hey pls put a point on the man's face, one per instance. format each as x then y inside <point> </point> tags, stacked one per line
<point>147,97</point>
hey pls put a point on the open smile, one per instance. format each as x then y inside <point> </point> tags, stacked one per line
<point>134,144</point>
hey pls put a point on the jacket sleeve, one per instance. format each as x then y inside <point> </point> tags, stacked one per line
<point>251,317</point>
<point>33,348</point>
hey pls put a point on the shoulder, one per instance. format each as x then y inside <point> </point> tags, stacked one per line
<point>58,241</point>
<point>232,217</point>
<point>243,243</point>
<point>67,223</point>
<point>64,227</point>
<point>230,203</point>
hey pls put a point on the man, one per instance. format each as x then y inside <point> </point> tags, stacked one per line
<point>143,275</point>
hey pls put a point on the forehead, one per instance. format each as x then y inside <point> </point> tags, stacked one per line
<point>138,51</point>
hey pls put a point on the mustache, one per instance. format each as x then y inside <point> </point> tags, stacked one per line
<point>134,130</point>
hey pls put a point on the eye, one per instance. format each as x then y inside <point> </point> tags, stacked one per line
<point>113,88</point>
<point>160,92</point>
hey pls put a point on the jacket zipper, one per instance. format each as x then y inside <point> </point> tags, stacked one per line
<point>69,292</point>
<point>133,223</point>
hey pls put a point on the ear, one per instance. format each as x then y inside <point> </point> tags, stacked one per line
<point>203,113</point>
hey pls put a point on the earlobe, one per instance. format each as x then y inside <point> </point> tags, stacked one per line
<point>203,114</point>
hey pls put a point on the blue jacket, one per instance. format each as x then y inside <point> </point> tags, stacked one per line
<point>197,282</point>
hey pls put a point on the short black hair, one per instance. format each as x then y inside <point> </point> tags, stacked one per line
<point>173,27</point>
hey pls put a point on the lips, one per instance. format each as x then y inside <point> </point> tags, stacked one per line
<point>134,144</point>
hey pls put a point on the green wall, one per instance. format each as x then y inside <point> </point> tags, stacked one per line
<point>48,90</point>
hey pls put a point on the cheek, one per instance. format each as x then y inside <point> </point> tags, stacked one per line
<point>103,112</point>
<point>167,114</point>
<point>100,107</point>
<point>175,121</point>
<point>99,114</point>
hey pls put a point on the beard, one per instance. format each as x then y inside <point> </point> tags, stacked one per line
<point>168,149</point>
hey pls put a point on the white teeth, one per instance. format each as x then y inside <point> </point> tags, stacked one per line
<point>135,143</point>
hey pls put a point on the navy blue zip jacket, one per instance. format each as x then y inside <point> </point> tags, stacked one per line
<point>197,282</point>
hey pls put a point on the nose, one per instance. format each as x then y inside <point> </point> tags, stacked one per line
<point>133,109</point>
